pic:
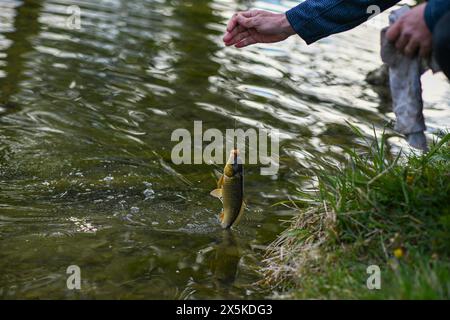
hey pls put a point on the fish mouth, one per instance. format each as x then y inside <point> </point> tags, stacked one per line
<point>234,155</point>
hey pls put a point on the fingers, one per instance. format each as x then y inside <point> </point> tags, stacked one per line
<point>238,29</point>
<point>246,22</point>
<point>250,13</point>
<point>409,44</point>
<point>402,41</point>
<point>394,31</point>
<point>238,37</point>
<point>232,23</point>
<point>246,42</point>
<point>234,19</point>
<point>411,48</point>
<point>230,35</point>
<point>410,36</point>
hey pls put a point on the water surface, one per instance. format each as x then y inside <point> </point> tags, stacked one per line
<point>86,117</point>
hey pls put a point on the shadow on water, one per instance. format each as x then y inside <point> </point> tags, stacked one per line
<point>226,261</point>
<point>218,268</point>
<point>26,25</point>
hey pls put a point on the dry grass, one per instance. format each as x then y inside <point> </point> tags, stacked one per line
<point>299,249</point>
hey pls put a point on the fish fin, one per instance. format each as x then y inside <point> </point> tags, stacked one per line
<point>241,213</point>
<point>220,182</point>
<point>216,193</point>
<point>217,174</point>
<point>221,215</point>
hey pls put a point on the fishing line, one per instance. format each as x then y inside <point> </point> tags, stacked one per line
<point>235,125</point>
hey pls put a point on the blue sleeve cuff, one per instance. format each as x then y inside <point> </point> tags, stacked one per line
<point>434,10</point>
<point>295,19</point>
<point>306,18</point>
<point>316,19</point>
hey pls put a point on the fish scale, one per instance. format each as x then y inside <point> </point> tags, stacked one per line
<point>232,193</point>
<point>230,189</point>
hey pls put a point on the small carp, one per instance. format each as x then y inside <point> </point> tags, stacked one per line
<point>230,190</point>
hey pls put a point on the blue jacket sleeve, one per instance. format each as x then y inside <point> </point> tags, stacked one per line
<point>434,10</point>
<point>316,19</point>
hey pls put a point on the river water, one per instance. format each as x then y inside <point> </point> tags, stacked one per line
<point>86,117</point>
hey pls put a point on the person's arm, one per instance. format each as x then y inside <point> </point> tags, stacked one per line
<point>316,19</point>
<point>312,20</point>
<point>434,10</point>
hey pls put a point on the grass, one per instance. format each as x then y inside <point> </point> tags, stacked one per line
<point>376,209</point>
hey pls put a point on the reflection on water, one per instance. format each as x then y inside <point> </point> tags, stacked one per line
<point>85,123</point>
<point>21,23</point>
<point>226,260</point>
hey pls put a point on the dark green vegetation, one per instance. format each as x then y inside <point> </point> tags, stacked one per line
<point>393,212</point>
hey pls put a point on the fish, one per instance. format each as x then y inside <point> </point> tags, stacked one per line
<point>230,190</point>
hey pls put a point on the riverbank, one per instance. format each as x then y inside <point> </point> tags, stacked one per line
<point>376,209</point>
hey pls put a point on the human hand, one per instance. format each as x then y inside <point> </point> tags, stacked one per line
<point>257,26</point>
<point>411,34</point>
